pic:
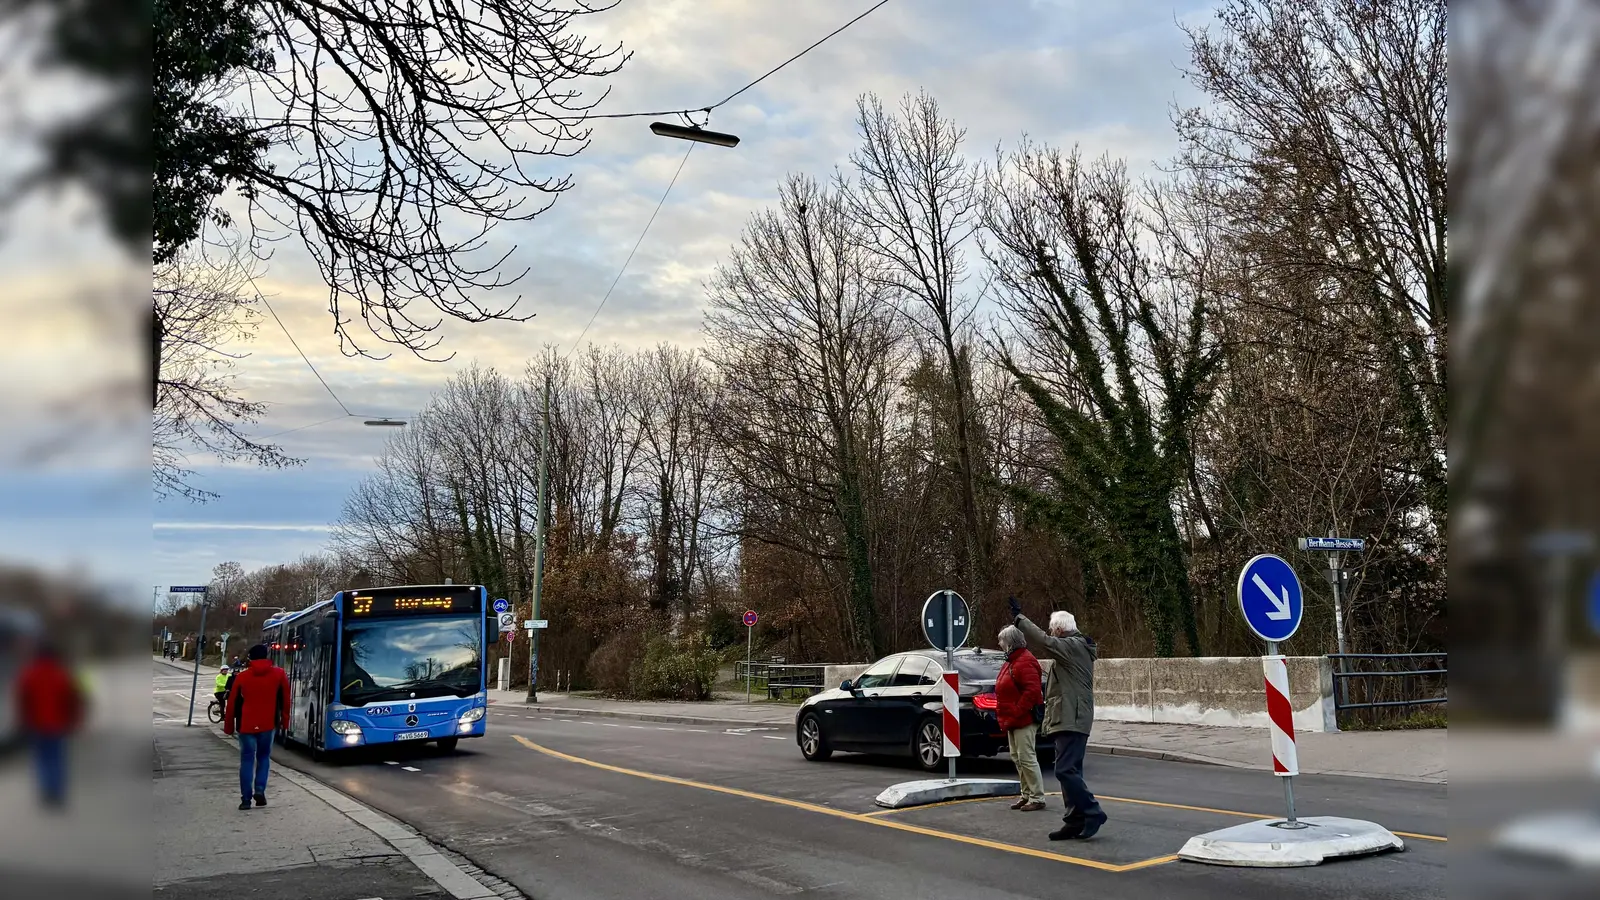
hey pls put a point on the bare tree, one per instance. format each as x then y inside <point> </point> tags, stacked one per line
<point>204,308</point>
<point>806,351</point>
<point>917,201</point>
<point>412,131</point>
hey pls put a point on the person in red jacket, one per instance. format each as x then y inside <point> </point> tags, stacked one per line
<point>1019,694</point>
<point>49,709</point>
<point>258,703</point>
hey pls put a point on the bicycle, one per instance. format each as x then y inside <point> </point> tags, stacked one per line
<point>214,712</point>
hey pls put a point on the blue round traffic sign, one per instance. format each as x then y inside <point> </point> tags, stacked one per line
<point>1270,597</point>
<point>749,618</point>
<point>500,605</point>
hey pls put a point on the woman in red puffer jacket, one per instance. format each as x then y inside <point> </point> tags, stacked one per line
<point>1019,693</point>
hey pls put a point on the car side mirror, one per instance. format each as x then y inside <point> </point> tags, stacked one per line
<point>848,686</point>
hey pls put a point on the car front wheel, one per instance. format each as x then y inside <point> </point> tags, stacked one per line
<point>813,745</point>
<point>929,746</point>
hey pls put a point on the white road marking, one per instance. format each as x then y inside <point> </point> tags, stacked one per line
<point>696,730</point>
<point>411,769</point>
<point>640,727</point>
<point>611,724</point>
<point>390,762</point>
<point>772,737</point>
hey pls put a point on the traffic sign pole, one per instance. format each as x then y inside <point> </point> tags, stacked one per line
<point>1285,758</point>
<point>952,710</point>
<point>199,650</point>
<point>750,619</point>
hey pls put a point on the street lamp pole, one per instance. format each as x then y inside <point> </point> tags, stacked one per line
<point>538,547</point>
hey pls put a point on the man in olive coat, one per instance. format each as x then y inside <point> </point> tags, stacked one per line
<point>1068,715</point>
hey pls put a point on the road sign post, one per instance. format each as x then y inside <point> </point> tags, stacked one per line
<point>946,622</point>
<point>750,619</point>
<point>199,645</point>
<point>1335,547</point>
<point>1272,603</point>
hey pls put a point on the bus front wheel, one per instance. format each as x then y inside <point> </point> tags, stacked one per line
<point>448,745</point>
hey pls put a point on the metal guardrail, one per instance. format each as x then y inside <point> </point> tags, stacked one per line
<point>1342,677</point>
<point>779,678</point>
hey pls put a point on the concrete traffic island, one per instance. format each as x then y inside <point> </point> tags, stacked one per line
<point>1272,844</point>
<point>1572,839</point>
<point>939,790</point>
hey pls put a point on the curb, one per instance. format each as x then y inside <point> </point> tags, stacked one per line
<point>406,841</point>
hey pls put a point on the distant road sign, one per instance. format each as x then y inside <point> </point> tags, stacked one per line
<point>933,620</point>
<point>1270,597</point>
<point>1354,545</point>
<point>750,618</point>
<point>508,622</point>
<point>536,623</point>
<point>500,605</point>
<point>187,589</point>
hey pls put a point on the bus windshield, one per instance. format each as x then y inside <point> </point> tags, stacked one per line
<point>402,658</point>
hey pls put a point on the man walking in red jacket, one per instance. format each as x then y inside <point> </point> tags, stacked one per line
<point>1019,698</point>
<point>258,703</point>
<point>49,708</point>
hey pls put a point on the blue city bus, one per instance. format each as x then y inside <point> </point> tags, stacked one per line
<point>385,665</point>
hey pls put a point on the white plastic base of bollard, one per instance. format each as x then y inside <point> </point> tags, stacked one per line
<point>919,793</point>
<point>1569,838</point>
<point>1264,844</point>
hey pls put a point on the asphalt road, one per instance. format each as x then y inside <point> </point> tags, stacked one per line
<point>602,808</point>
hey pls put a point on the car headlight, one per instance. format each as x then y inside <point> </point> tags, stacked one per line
<point>472,715</point>
<point>345,726</point>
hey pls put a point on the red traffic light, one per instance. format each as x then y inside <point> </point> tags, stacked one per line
<point>244,609</point>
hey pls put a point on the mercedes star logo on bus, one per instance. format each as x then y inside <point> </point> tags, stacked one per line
<point>411,721</point>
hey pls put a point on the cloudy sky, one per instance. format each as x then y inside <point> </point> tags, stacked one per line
<point>1101,75</point>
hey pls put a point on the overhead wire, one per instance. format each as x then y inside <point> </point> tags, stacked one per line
<point>585,116</point>
<point>635,249</point>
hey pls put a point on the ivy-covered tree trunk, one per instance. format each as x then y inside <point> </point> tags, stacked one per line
<point>1118,368</point>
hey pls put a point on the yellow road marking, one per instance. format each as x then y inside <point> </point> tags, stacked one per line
<point>854,817</point>
<point>1165,805</point>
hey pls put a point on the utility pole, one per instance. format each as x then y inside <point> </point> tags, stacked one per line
<point>538,547</point>
<point>199,650</point>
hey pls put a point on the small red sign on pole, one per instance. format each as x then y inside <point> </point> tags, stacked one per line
<point>749,618</point>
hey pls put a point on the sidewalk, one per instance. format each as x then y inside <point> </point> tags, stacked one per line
<point>1418,755</point>
<point>309,841</point>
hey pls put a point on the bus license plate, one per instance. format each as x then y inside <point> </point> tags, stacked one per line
<point>410,735</point>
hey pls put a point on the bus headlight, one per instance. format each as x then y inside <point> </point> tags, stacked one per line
<point>471,715</point>
<point>345,726</point>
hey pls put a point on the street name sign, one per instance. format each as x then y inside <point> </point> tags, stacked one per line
<point>1270,598</point>
<point>187,589</point>
<point>1353,545</point>
<point>535,624</point>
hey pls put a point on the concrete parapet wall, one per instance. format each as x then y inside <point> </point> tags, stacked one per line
<point>1227,691</point>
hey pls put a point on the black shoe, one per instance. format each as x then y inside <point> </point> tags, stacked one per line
<point>1067,832</point>
<point>245,803</point>
<point>1092,826</point>
<point>261,799</point>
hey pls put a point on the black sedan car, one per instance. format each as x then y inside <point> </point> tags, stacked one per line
<point>894,708</point>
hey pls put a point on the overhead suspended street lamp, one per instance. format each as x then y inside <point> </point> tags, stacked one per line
<point>385,423</point>
<point>694,133</point>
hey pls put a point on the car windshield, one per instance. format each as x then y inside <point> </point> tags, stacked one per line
<point>388,659</point>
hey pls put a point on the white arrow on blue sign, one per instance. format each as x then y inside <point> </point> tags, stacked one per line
<point>1270,597</point>
<point>500,605</point>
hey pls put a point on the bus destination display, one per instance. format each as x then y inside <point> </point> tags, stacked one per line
<point>364,604</point>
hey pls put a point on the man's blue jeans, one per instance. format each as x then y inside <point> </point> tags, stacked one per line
<point>255,754</point>
<point>50,763</point>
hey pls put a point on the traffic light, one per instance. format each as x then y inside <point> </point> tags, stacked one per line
<point>244,609</point>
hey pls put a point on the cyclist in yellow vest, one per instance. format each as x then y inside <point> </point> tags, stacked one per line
<point>222,684</point>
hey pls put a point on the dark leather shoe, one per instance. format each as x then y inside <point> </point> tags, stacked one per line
<point>1066,833</point>
<point>245,803</point>
<point>1091,827</point>
<point>261,799</point>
